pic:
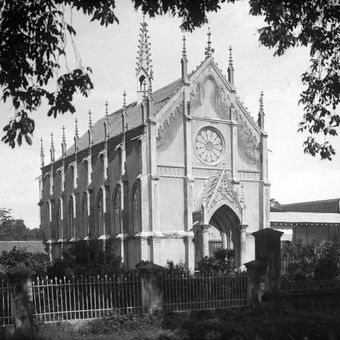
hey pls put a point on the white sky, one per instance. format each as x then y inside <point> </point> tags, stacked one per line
<point>111,53</point>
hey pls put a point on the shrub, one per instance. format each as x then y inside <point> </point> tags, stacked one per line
<point>222,262</point>
<point>36,262</point>
<point>88,258</point>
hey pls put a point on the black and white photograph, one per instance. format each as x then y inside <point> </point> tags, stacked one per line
<point>170,169</point>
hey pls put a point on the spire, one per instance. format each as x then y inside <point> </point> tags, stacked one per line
<point>63,142</point>
<point>209,50</point>
<point>144,71</point>
<point>76,136</point>
<point>42,154</point>
<point>260,119</point>
<point>52,149</point>
<point>184,62</point>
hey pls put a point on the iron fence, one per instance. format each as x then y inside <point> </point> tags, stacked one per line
<point>86,298</point>
<point>5,302</point>
<point>182,292</point>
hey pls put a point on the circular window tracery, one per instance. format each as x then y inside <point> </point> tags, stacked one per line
<point>209,145</point>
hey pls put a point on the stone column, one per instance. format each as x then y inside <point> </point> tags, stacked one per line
<point>201,241</point>
<point>243,244</point>
<point>22,301</point>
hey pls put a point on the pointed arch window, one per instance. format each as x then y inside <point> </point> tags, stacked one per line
<point>100,213</point>
<point>84,216</point>
<point>136,208</point>
<point>59,226</point>
<point>71,227</point>
<point>117,210</point>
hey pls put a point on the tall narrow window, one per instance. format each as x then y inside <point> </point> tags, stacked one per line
<point>59,234</point>
<point>117,210</point>
<point>84,217</point>
<point>100,214</point>
<point>136,208</point>
<point>70,231</point>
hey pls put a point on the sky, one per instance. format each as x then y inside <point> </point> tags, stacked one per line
<point>111,53</point>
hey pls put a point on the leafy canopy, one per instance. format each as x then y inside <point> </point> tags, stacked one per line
<point>33,40</point>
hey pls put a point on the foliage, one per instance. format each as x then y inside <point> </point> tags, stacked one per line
<point>15,229</point>
<point>310,261</point>
<point>33,39</point>
<point>314,24</point>
<point>86,258</point>
<point>221,262</point>
<point>36,262</point>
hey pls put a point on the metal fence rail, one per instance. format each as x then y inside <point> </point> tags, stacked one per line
<point>5,303</point>
<point>85,298</point>
<point>183,292</point>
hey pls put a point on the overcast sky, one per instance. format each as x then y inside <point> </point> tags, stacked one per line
<point>111,53</point>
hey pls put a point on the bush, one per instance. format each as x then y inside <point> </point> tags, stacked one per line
<point>88,258</point>
<point>222,262</point>
<point>301,261</point>
<point>36,262</point>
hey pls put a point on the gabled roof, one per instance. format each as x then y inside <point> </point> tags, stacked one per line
<point>133,116</point>
<point>320,206</point>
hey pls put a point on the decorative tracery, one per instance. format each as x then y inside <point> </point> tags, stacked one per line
<point>209,145</point>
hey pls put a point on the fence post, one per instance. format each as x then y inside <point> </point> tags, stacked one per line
<point>22,300</point>
<point>152,295</point>
<point>268,249</point>
<point>257,284</point>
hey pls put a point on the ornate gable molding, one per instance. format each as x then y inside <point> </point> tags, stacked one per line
<point>218,190</point>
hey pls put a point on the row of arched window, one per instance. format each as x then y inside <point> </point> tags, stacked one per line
<point>93,220</point>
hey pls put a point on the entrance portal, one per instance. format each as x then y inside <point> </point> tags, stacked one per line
<point>223,231</point>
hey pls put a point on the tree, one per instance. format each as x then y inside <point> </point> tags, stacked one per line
<point>33,35</point>
<point>12,229</point>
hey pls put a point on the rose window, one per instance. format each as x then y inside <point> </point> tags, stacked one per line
<point>209,145</point>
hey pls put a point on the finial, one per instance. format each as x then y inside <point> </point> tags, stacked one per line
<point>42,154</point>
<point>231,69</point>
<point>209,50</point>
<point>260,119</point>
<point>124,100</point>
<point>123,114</point>
<point>230,57</point>
<point>76,132</point>
<point>90,120</point>
<point>52,149</point>
<point>76,136</point>
<point>63,140</point>
<point>184,50</point>
<point>106,109</point>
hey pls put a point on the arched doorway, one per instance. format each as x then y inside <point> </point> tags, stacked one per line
<point>227,223</point>
<point>223,230</point>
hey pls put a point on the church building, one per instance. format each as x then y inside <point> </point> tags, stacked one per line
<point>172,176</point>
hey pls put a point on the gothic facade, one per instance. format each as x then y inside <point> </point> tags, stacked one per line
<point>171,176</point>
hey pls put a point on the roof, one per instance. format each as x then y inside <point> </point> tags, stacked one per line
<point>133,116</point>
<point>304,217</point>
<point>320,206</point>
<point>29,246</point>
